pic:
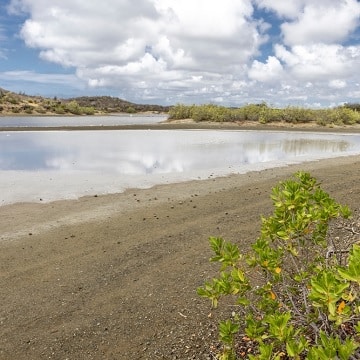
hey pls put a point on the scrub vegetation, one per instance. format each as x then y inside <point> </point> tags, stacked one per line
<point>295,295</point>
<point>348,114</point>
<point>22,104</point>
<point>11,103</point>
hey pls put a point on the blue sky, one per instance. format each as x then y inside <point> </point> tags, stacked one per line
<point>230,52</point>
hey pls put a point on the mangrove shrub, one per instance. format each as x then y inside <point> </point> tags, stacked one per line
<point>300,305</point>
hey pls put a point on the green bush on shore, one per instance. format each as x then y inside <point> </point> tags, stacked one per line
<point>262,113</point>
<point>293,295</point>
<point>74,108</point>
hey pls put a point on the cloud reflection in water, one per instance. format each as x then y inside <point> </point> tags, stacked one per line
<point>92,160</point>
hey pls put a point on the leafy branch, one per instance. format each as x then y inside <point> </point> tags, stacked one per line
<point>302,307</point>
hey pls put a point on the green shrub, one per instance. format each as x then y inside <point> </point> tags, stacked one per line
<point>209,113</point>
<point>73,107</point>
<point>337,116</point>
<point>12,100</point>
<point>295,115</point>
<point>130,110</point>
<point>40,110</point>
<point>180,111</point>
<point>59,110</point>
<point>88,110</point>
<point>236,114</point>
<point>299,305</point>
<point>355,106</point>
<point>274,115</point>
<point>322,117</point>
<point>252,112</point>
<point>346,116</point>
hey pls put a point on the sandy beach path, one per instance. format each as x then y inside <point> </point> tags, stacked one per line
<point>115,276</point>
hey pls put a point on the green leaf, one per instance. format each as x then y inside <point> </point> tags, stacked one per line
<point>225,252</point>
<point>279,326</point>
<point>243,301</point>
<point>227,330</point>
<point>326,290</point>
<point>347,348</point>
<point>352,272</point>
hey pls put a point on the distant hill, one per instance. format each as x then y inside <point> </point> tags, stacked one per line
<point>22,104</point>
<point>114,104</point>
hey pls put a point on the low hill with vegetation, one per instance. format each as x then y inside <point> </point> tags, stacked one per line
<point>113,104</point>
<point>21,104</point>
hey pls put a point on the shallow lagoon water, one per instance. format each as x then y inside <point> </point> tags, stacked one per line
<point>67,164</point>
<point>63,121</point>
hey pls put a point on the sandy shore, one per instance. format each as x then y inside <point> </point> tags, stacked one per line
<point>115,277</point>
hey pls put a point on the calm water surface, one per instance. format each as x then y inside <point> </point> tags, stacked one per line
<point>60,121</point>
<point>68,164</point>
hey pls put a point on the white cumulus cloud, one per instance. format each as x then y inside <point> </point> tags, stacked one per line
<point>283,8</point>
<point>266,72</point>
<point>320,61</point>
<point>322,22</point>
<point>200,51</point>
<point>337,84</point>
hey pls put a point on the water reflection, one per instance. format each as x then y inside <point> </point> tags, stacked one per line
<point>63,121</point>
<point>149,152</point>
<point>109,161</point>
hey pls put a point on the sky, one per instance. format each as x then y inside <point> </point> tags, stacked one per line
<point>228,52</point>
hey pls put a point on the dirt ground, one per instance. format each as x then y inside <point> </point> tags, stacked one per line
<point>115,277</point>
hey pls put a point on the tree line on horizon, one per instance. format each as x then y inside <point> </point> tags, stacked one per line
<point>347,114</point>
